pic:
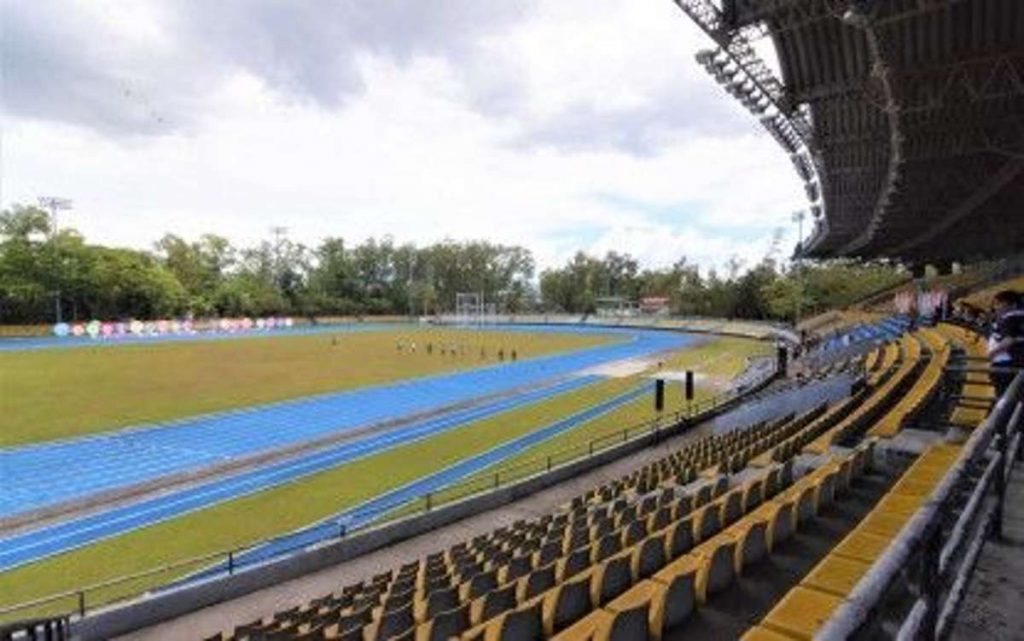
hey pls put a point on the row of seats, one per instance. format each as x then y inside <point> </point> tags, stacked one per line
<point>880,397</point>
<point>599,562</point>
<point>707,457</point>
<point>824,418</point>
<point>714,536</point>
<point>921,392</point>
<point>976,391</point>
<point>872,360</point>
<point>839,366</point>
<point>806,607</point>
<point>664,600</point>
<point>886,358</point>
<point>487,573</point>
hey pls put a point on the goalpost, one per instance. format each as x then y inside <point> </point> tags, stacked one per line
<point>472,310</point>
<point>469,308</point>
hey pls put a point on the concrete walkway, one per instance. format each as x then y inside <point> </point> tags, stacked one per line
<point>994,607</point>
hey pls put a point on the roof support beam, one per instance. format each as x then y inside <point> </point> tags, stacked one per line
<point>882,70</point>
<point>1009,172</point>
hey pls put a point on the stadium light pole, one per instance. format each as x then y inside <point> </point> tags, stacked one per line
<point>54,204</point>
<point>798,218</point>
<point>279,233</point>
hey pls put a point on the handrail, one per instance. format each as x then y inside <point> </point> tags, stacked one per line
<point>480,483</point>
<point>923,532</point>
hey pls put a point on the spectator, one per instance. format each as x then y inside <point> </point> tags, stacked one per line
<point>1006,342</point>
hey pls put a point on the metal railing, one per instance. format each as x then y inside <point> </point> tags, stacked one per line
<point>936,551</point>
<point>76,603</point>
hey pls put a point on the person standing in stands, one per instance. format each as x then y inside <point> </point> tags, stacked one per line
<point>1006,342</point>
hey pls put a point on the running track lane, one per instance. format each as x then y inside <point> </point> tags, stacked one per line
<point>366,513</point>
<point>94,464</point>
<point>34,545</point>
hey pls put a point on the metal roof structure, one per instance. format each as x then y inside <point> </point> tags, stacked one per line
<point>904,118</point>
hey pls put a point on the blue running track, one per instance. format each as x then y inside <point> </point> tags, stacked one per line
<point>370,511</point>
<point>47,474</point>
<point>31,546</point>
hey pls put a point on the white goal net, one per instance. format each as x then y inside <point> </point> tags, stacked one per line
<point>473,311</point>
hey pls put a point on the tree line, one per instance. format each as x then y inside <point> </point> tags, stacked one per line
<point>769,290</point>
<point>210,277</point>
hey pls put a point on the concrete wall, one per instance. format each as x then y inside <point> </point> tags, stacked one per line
<point>153,608</point>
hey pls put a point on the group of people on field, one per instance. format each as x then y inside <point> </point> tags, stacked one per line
<point>453,349</point>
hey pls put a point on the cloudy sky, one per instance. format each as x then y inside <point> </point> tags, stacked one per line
<point>557,124</point>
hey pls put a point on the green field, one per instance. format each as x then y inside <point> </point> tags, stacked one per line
<point>55,393</point>
<point>281,509</point>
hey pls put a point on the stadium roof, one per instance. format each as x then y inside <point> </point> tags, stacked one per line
<point>905,118</point>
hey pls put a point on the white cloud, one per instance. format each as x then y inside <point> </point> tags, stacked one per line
<point>519,135</point>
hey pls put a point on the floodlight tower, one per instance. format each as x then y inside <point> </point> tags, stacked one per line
<point>279,234</point>
<point>798,218</point>
<point>54,204</point>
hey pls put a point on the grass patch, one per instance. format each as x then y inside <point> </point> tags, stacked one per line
<point>99,388</point>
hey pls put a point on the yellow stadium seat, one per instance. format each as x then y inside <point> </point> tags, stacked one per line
<point>680,538</point>
<point>717,566</point>
<point>679,580</point>
<point>523,623</point>
<point>611,578</point>
<point>751,539</point>
<point>566,603</point>
<point>781,525</point>
<point>708,522</point>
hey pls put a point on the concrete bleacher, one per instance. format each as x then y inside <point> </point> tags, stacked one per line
<point>759,532</point>
<point>886,385</point>
<point>800,614</point>
<point>922,390</point>
<point>675,500</point>
<point>976,393</point>
<point>686,524</point>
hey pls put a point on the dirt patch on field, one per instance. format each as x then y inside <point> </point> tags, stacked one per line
<point>621,369</point>
<point>699,378</point>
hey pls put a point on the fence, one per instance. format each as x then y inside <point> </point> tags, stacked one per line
<point>74,604</point>
<point>938,548</point>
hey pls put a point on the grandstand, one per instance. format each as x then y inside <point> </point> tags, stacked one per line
<point>663,543</point>
<point>879,473</point>
<point>798,508</point>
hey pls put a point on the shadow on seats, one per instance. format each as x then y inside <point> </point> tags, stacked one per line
<point>746,600</point>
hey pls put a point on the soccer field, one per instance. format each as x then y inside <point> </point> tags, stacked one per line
<point>57,393</point>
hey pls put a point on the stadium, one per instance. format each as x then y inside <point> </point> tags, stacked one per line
<point>400,442</point>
